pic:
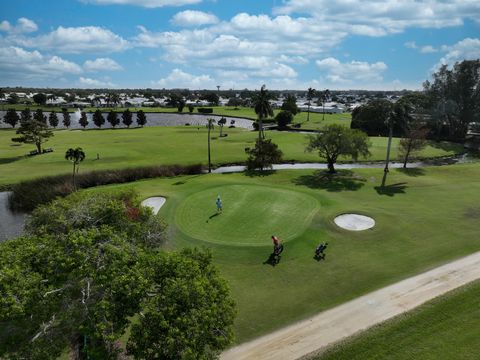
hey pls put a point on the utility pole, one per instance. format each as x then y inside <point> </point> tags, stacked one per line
<point>209,125</point>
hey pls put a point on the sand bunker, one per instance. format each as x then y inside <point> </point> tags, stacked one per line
<point>155,203</point>
<point>354,222</point>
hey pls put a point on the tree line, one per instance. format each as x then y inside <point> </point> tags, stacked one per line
<point>448,105</point>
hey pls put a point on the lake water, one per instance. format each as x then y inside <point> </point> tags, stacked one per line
<point>11,224</point>
<point>153,119</point>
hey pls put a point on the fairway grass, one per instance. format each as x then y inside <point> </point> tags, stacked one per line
<point>123,148</point>
<point>250,214</point>
<point>443,329</point>
<point>424,218</point>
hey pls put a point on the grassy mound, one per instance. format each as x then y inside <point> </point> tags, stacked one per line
<point>251,214</point>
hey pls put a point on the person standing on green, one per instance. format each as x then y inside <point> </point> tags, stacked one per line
<point>219,204</point>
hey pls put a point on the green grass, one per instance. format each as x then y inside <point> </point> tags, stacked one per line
<point>284,213</point>
<point>123,148</point>
<point>442,329</point>
<point>424,218</point>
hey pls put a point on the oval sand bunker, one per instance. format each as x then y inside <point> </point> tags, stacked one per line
<point>155,203</point>
<point>354,222</point>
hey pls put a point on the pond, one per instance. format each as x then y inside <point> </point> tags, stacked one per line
<point>11,224</point>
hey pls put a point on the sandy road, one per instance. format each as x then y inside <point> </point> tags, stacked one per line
<point>330,326</point>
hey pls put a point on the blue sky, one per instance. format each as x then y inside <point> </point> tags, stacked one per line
<point>199,44</point>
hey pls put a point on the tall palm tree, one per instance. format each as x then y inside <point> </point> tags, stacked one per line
<point>310,95</point>
<point>262,107</point>
<point>325,96</point>
<point>210,123</point>
<point>76,156</point>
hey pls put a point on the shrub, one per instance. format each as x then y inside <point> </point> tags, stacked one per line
<point>205,110</point>
<point>27,195</point>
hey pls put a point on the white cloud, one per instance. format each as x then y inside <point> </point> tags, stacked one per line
<point>354,72</point>
<point>411,45</point>
<point>193,18</point>
<point>23,25</point>
<point>376,18</point>
<point>77,40</point>
<point>101,64</point>
<point>467,49</point>
<point>428,49</point>
<point>144,3</point>
<point>19,63</point>
<point>94,83</point>
<point>180,79</point>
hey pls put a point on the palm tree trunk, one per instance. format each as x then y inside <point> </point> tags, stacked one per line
<point>390,135</point>
<point>260,128</point>
<point>308,112</point>
<point>407,154</point>
<point>73,178</point>
<point>209,158</point>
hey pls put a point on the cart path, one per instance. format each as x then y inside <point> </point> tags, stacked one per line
<point>330,326</point>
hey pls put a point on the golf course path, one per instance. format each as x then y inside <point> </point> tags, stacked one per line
<point>319,331</point>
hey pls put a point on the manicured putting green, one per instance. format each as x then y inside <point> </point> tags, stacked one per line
<point>251,214</point>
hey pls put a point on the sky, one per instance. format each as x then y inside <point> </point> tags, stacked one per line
<point>234,44</point>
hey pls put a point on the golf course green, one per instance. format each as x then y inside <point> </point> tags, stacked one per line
<point>284,213</point>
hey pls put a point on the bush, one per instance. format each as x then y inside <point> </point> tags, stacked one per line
<point>205,110</point>
<point>27,195</point>
<point>284,118</point>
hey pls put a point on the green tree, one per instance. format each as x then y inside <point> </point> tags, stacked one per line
<point>263,155</point>
<point>141,118</point>
<point>180,105</point>
<point>40,98</point>
<point>33,132</point>
<point>263,109</point>
<point>83,121</point>
<point>212,98</point>
<point>290,104</point>
<point>25,116</point>
<point>337,140</point>
<point>455,97</point>
<point>13,99</point>
<point>66,118</point>
<point>38,116</point>
<point>127,118</point>
<point>283,118</point>
<point>414,140</point>
<point>77,277</point>
<point>53,119</point>
<point>112,118</point>
<point>11,118</point>
<point>191,313</point>
<point>98,118</point>
<point>76,156</point>
<point>191,108</point>
<point>221,124</point>
<point>311,92</point>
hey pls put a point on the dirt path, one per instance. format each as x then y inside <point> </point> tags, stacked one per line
<point>312,334</point>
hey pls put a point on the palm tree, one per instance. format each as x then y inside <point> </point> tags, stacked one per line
<point>210,127</point>
<point>310,95</point>
<point>325,96</point>
<point>76,156</point>
<point>263,109</point>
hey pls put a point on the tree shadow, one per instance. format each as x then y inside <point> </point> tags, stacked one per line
<point>342,180</point>
<point>414,172</point>
<point>259,173</point>
<point>391,190</point>
<point>446,146</point>
<point>9,160</point>
<point>182,182</point>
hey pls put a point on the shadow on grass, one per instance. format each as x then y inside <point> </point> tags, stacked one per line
<point>212,216</point>
<point>272,259</point>
<point>414,172</point>
<point>259,173</point>
<point>9,160</point>
<point>446,146</point>
<point>183,182</point>
<point>391,190</point>
<point>342,180</point>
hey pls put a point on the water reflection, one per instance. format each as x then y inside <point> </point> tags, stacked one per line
<point>11,224</point>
